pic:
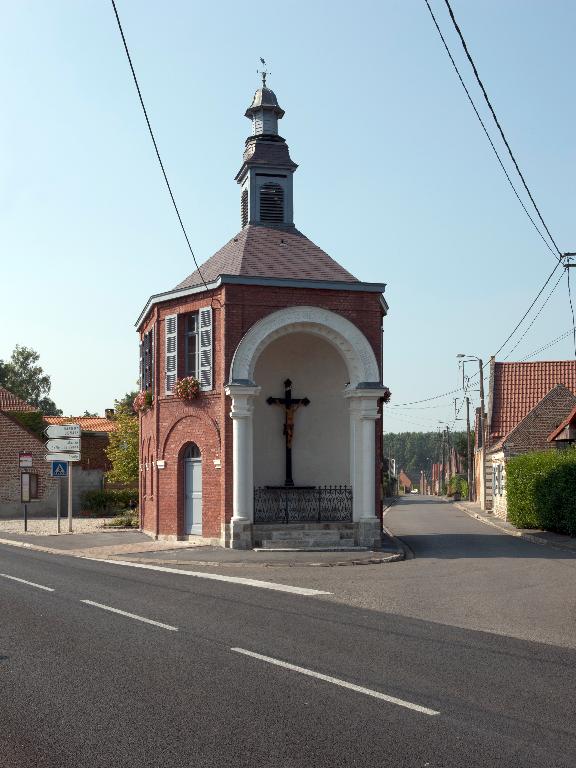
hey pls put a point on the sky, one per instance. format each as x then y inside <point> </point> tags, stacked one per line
<point>396,180</point>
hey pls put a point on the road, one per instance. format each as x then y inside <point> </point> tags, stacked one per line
<point>237,674</point>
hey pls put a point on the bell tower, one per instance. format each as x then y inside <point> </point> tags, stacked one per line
<point>265,177</point>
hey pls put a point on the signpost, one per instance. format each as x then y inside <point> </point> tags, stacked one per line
<point>63,456</point>
<point>63,448</point>
<point>24,460</point>
<point>64,444</point>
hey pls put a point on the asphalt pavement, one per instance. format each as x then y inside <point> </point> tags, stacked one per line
<point>104,664</point>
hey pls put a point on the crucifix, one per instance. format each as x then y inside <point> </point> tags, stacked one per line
<point>291,405</point>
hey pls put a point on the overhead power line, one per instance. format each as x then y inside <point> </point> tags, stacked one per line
<point>550,343</point>
<point>536,316</point>
<point>154,142</point>
<point>470,99</point>
<point>504,139</point>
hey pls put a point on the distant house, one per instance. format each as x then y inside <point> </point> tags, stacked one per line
<point>17,438</point>
<point>531,434</point>
<point>404,482</point>
<point>89,473</point>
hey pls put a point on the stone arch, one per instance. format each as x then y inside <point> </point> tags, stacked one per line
<point>336,329</point>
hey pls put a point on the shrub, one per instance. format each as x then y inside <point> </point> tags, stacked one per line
<point>124,521</point>
<point>458,484</point>
<point>109,500</point>
<point>540,490</point>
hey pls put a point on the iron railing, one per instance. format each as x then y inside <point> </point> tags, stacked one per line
<point>326,504</point>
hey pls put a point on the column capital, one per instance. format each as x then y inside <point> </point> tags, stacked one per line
<point>242,399</point>
<point>364,402</point>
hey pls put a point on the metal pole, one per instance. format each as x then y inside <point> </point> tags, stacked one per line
<point>58,492</point>
<point>70,465</point>
<point>25,518</point>
<point>468,452</point>
<point>481,424</point>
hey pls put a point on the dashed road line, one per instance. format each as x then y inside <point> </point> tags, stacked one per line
<point>217,577</point>
<point>130,615</point>
<point>30,583</point>
<point>339,682</point>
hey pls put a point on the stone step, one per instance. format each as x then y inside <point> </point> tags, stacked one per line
<point>265,527</point>
<point>320,534</point>
<point>319,544</point>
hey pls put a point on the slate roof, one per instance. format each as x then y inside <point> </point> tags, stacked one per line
<point>86,423</point>
<point>531,434</point>
<point>278,252</point>
<point>10,402</point>
<point>518,387</point>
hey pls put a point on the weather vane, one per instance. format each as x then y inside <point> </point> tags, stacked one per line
<point>263,72</point>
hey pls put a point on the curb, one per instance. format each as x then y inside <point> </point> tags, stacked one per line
<point>517,534</point>
<point>374,559</point>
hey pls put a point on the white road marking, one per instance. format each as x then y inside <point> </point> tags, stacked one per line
<point>217,577</point>
<point>30,583</point>
<point>130,615</point>
<point>338,681</point>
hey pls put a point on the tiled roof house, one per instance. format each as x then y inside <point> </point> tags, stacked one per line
<point>526,403</point>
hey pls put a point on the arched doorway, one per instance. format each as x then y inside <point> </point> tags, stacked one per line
<point>192,490</point>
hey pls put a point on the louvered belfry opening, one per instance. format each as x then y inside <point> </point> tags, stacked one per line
<point>244,207</point>
<point>272,203</point>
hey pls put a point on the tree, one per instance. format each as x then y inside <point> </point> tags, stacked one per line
<point>123,448</point>
<point>126,401</point>
<point>22,376</point>
<point>87,414</point>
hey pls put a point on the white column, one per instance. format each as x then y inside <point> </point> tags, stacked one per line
<point>242,451</point>
<point>363,404</point>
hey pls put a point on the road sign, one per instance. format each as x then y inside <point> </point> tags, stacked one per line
<point>25,459</point>
<point>59,469</point>
<point>62,430</point>
<point>70,444</point>
<point>62,456</point>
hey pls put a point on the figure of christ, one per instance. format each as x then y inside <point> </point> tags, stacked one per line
<point>290,405</point>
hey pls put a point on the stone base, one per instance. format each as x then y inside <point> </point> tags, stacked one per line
<point>237,534</point>
<point>368,533</point>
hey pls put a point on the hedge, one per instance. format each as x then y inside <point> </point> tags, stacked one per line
<point>458,484</point>
<point>105,501</point>
<point>541,491</point>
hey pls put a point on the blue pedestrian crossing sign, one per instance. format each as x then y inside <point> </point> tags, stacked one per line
<point>59,469</point>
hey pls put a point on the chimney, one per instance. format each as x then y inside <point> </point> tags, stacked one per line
<point>109,413</point>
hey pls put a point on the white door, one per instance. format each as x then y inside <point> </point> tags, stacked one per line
<point>193,496</point>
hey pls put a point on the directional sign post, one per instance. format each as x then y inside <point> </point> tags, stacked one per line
<point>63,448</point>
<point>62,430</point>
<point>63,444</point>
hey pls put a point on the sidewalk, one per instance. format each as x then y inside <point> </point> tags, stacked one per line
<point>536,536</point>
<point>135,546</point>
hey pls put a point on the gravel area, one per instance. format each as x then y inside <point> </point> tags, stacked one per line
<point>46,526</point>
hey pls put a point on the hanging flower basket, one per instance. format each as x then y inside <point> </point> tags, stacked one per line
<point>143,401</point>
<point>187,388</point>
<point>387,395</point>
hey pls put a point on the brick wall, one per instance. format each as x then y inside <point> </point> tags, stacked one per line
<point>13,439</point>
<point>171,424</point>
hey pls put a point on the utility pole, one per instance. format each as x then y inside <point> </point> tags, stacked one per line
<point>468,451</point>
<point>443,472</point>
<point>481,424</point>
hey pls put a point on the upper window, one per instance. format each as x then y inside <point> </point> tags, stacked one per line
<point>272,203</point>
<point>147,361</point>
<point>191,344</point>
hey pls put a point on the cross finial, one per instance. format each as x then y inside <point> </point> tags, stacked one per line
<point>263,72</point>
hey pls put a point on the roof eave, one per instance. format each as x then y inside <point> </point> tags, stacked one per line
<point>274,282</point>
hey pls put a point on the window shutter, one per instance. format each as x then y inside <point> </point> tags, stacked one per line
<point>141,373</point>
<point>171,326</point>
<point>152,339</point>
<point>205,371</point>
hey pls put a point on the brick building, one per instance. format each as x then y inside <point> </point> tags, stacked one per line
<point>526,401</point>
<point>269,317</point>
<point>16,438</point>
